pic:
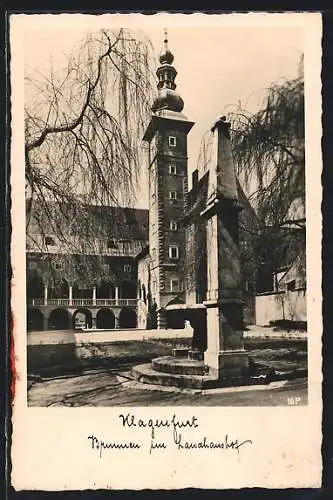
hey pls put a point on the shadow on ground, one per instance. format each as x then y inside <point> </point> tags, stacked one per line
<point>108,382</point>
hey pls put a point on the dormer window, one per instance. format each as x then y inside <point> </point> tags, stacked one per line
<point>111,244</point>
<point>49,241</point>
<point>173,195</point>
<point>172,169</point>
<point>172,141</point>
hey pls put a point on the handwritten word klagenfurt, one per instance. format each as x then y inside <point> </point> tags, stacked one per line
<point>174,423</point>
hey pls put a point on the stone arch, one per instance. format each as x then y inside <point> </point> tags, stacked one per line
<point>59,319</point>
<point>127,318</point>
<point>175,318</point>
<point>82,316</point>
<point>105,318</point>
<point>175,300</point>
<point>35,319</point>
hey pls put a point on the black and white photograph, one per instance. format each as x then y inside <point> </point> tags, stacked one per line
<point>165,198</point>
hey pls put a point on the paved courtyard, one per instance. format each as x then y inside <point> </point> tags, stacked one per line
<point>114,386</point>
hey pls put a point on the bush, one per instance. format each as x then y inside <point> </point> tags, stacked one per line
<point>287,324</point>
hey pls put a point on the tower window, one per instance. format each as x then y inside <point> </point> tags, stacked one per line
<point>176,285</point>
<point>127,268</point>
<point>173,252</point>
<point>172,169</point>
<point>49,241</point>
<point>173,195</point>
<point>172,141</point>
<point>173,225</point>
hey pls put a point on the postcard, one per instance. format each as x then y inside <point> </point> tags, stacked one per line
<point>166,250</point>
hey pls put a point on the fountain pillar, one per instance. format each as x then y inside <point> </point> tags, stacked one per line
<point>225,356</point>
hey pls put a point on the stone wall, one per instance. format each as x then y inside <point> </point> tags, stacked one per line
<point>60,352</point>
<point>289,305</point>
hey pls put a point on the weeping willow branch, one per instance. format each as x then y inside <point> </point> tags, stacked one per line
<point>268,148</point>
<point>269,155</point>
<point>83,129</point>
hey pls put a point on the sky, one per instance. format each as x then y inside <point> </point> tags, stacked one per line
<point>219,64</point>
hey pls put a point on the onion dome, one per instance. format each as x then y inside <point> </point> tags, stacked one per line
<point>166,73</point>
<point>168,99</point>
<point>166,56</point>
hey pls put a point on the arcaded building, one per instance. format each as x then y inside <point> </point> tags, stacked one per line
<point>161,267</point>
<point>92,284</point>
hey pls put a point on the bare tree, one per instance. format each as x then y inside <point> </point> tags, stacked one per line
<point>83,129</point>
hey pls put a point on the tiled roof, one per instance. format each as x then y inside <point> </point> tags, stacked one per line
<point>116,222</point>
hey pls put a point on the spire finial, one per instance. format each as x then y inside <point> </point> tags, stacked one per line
<point>166,56</point>
<point>165,37</point>
<point>166,73</point>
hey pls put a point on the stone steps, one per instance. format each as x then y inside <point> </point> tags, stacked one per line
<point>147,375</point>
<point>178,366</point>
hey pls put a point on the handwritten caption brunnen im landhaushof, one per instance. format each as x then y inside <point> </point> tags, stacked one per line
<point>174,435</point>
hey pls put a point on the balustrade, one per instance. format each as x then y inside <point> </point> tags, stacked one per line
<point>83,302</point>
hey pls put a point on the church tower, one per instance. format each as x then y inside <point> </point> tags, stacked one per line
<point>166,137</point>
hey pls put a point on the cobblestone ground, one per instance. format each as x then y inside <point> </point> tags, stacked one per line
<point>115,387</point>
